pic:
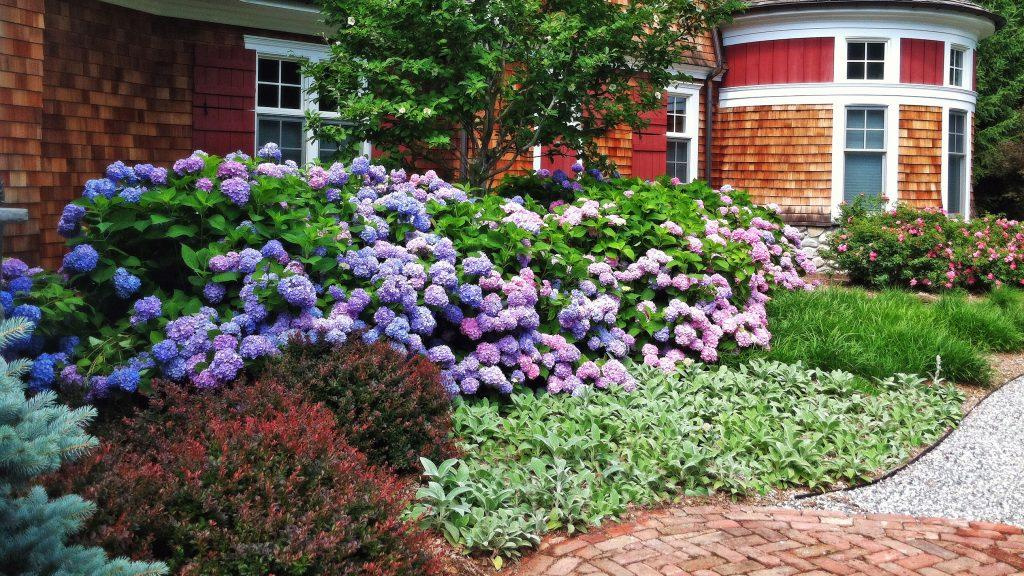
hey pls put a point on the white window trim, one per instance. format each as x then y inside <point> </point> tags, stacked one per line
<point>692,94</point>
<point>291,50</point>
<point>968,158</point>
<point>890,160</point>
<point>968,69</point>
<point>892,58</point>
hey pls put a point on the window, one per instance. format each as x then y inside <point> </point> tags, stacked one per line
<point>282,99</point>
<point>865,153</point>
<point>957,185</point>
<point>956,66</point>
<point>865,61</point>
<point>680,133</point>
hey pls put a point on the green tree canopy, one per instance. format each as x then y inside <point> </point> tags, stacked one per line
<point>999,145</point>
<point>480,82</point>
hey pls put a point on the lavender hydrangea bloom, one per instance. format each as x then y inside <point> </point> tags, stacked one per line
<point>360,165</point>
<point>133,194</point>
<point>146,309</point>
<point>125,283</point>
<point>274,250</point>
<point>297,291</point>
<point>214,292</point>
<point>13,268</point>
<point>232,169</point>
<point>248,260</point>
<point>236,189</point>
<point>82,258</point>
<point>477,266</point>
<point>204,184</point>
<point>269,151</point>
<point>257,346</point>
<point>190,165</point>
<point>118,171</point>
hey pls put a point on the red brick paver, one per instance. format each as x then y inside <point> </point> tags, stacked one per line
<point>726,541</point>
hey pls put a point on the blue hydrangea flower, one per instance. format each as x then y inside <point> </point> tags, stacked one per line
<point>132,194</point>
<point>21,285</point>
<point>125,283</point>
<point>165,351</point>
<point>118,172</point>
<point>269,151</point>
<point>147,309</point>
<point>298,291</point>
<point>214,292</point>
<point>13,268</point>
<point>360,165</point>
<point>126,379</point>
<point>81,259</point>
<point>99,187</point>
<point>236,189</point>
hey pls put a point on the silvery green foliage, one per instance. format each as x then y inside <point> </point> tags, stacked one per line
<point>36,436</point>
<point>549,462</point>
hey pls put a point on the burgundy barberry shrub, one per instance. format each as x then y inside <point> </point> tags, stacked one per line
<point>390,405</point>
<point>254,480</point>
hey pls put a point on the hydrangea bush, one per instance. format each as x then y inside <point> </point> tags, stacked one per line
<point>926,249</point>
<point>191,273</point>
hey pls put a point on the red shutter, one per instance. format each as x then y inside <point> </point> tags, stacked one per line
<point>224,99</point>
<point>789,61</point>
<point>557,159</point>
<point>649,144</point>
<point>921,61</point>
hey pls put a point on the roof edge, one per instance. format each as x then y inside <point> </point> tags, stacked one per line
<point>996,19</point>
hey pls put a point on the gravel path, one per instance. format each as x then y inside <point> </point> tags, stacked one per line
<point>977,473</point>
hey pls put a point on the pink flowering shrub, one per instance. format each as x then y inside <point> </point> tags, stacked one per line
<point>192,273</point>
<point>926,249</point>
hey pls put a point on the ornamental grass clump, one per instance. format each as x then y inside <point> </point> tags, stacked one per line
<point>201,270</point>
<point>925,249</point>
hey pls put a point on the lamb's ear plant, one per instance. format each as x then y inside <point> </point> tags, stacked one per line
<point>543,462</point>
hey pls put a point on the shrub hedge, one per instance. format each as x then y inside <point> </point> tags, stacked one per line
<point>191,273</point>
<point>393,407</point>
<point>925,249</point>
<point>255,480</point>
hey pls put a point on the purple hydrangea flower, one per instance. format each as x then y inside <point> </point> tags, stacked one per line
<point>257,346</point>
<point>146,309</point>
<point>236,189</point>
<point>190,165</point>
<point>204,184</point>
<point>69,224</point>
<point>13,268</point>
<point>360,165</point>
<point>214,292</point>
<point>298,291</point>
<point>269,151</point>
<point>232,169</point>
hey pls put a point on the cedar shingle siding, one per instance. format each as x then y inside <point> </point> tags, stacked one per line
<point>920,168</point>
<point>781,154</point>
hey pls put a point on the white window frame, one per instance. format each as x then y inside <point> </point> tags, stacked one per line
<point>887,59</point>
<point>968,135</point>
<point>965,70</point>
<point>691,94</point>
<point>890,154</point>
<point>290,50</point>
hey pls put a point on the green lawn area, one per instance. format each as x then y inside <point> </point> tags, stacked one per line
<point>875,335</point>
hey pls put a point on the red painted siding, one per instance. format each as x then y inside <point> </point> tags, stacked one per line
<point>790,61</point>
<point>649,145</point>
<point>922,61</point>
<point>557,159</point>
<point>223,117</point>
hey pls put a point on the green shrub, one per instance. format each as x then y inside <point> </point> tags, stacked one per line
<point>874,335</point>
<point>925,249</point>
<point>392,406</point>
<point>544,462</point>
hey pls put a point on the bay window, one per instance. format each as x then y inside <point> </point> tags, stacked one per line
<point>956,189</point>
<point>956,66</point>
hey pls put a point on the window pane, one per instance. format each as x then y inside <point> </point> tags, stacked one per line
<point>875,140</point>
<point>291,97</point>
<point>267,131</point>
<point>855,51</point>
<point>863,175</point>
<point>876,71</point>
<point>327,103</point>
<point>855,70</point>
<point>678,155</point>
<point>876,51</point>
<point>957,183</point>
<point>266,95</point>
<point>291,154</point>
<point>291,134</point>
<point>290,72</point>
<point>855,118</point>
<point>855,139</point>
<point>267,70</point>
<point>875,119</point>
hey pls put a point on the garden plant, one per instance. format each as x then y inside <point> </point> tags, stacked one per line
<point>876,335</point>
<point>925,249</point>
<point>190,273</point>
<point>544,462</point>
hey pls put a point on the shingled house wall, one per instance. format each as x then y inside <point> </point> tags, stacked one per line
<point>93,83</point>
<point>920,160</point>
<point>781,155</point>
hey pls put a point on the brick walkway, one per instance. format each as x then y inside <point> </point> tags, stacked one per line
<point>716,541</point>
